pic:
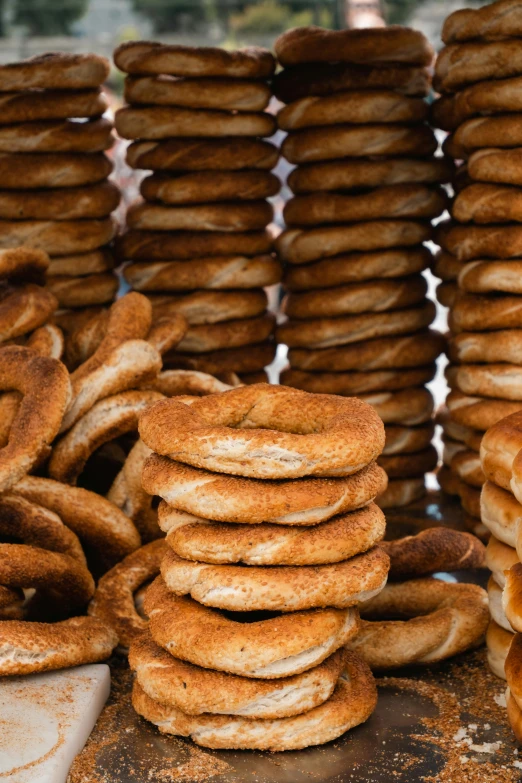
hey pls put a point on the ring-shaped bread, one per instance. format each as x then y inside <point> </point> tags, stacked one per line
<point>494,22</point>
<point>431,550</point>
<point>501,513</point>
<point>498,642</point>
<point>23,309</point>
<point>496,608</point>
<point>500,557</point>
<point>55,71</point>
<point>512,596</point>
<point>479,413</point>
<point>127,493</point>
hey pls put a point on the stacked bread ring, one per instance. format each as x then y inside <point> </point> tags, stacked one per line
<point>266,498</point>
<point>366,186</point>
<point>55,194</point>
<point>479,82</point>
<point>198,241</point>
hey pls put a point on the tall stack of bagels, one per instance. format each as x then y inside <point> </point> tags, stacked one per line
<point>479,79</point>
<point>198,241</point>
<point>267,502</point>
<point>55,194</point>
<point>366,187</point>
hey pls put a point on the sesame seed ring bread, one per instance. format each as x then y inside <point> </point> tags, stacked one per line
<point>372,46</point>
<point>185,245</point>
<point>475,313</point>
<point>23,264</point>
<point>127,493</point>
<point>408,407</point>
<point>224,154</point>
<point>12,604</point>
<point>401,492</point>
<point>57,136</point>
<point>483,203</point>
<point>492,380</point>
<point>47,340</point>
<point>466,465</point>
<point>217,273</point>
<point>448,482</point>
<point>348,384</point>
<point>96,201</point>
<point>499,559</point>
<point>278,588</point>
<point>173,383</point>
<point>433,549</point>
<point>372,296</point>
<point>33,105</point>
<point>352,107</point>
<point>113,602</point>
<point>494,22</point>
<point>447,293</point>
<point>203,338</point>
<point>501,513</point>
<point>461,64</point>
<point>102,528</point>
<point>82,264</point>
<point>52,170</point>
<point>251,501</point>
<point>359,141</point>
<point>299,247</point>
<point>350,174</point>
<point>352,703</point>
<point>146,57</point>
<point>385,353</point>
<point>500,453</point>
<point>511,596</point>
<point>57,237</point>
<point>197,93</point>
<point>490,97</point>
<point>263,431</point>
<point>332,541</point>
<point>301,81</point>
<point>197,691</point>
<point>498,641</point>
<point>270,648</point>
<point>406,440</point>
<point>500,130</point>
<point>397,466</point>
<point>496,609</point>
<point>493,241</point>
<point>441,620</point>
<point>247,359</point>
<point>209,186</point>
<point>513,693</point>
<point>233,216</point>
<point>355,267</point>
<point>482,277</point>
<point>55,71</point>
<point>37,647</point>
<point>165,122</point>
<point>496,165</point>
<point>85,291</point>
<point>446,266</point>
<point>210,307</point>
<point>331,332</point>
<point>394,201</point>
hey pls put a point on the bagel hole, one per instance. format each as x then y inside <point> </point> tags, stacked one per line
<point>250,617</point>
<point>105,463</point>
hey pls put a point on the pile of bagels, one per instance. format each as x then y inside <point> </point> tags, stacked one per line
<point>479,80</point>
<point>55,195</point>
<point>366,188</point>
<point>198,241</point>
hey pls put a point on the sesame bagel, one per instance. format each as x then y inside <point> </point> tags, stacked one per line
<point>485,203</point>
<point>511,596</point>
<point>82,264</point>
<point>236,333</point>
<point>57,136</point>
<point>466,465</point>
<point>486,97</point>
<point>52,170</point>
<point>397,466</point>
<point>482,277</point>
<point>55,71</point>
<point>501,130</point>
<point>513,694</point>
<point>492,380</point>
<point>164,122</point>
<point>33,105</point>
<point>86,291</point>
<point>223,154</point>
<point>185,245</point>
<point>461,64</point>
<point>499,559</point>
<point>211,307</point>
<point>407,407</point>
<point>494,22</point>
<point>496,609</point>
<point>401,492</point>
<point>480,313</point>
<point>347,384</point>
<point>96,201</point>
<point>498,641</point>
<point>496,165</point>
<point>470,242</point>
<point>479,413</point>
<point>57,237</point>
<point>23,309</point>
<point>247,359</point>
<point>407,440</point>
<point>234,216</point>
<point>500,512</point>
<point>504,345</point>
<point>197,93</point>
<point>211,186</point>
<point>446,266</point>
<point>431,550</point>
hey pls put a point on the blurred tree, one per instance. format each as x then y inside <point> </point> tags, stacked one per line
<point>2,19</point>
<point>48,17</point>
<point>400,11</point>
<point>270,17</point>
<point>170,16</point>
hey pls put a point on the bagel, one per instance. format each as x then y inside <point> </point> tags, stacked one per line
<point>397,466</point>
<point>356,267</point>
<point>57,237</point>
<point>372,46</point>
<point>47,341</point>
<point>33,105</point>
<point>277,438</point>
<point>250,358</point>
<point>232,154</point>
<point>173,383</point>
<point>301,81</point>
<point>478,313</point>
<point>350,174</point>
<point>344,141</point>
<point>234,216</point>
<point>211,307</point>
<point>269,649</point>
<point>481,277</point>
<point>185,245</point>
<point>23,309</point>
<point>466,465</point>
<point>407,407</point>
<point>511,597</point>
<point>433,549</point>
<point>494,22</point>
<point>407,440</point>
<point>81,265</point>
<point>23,264</point>
<point>165,122</point>
<point>352,703</point>
<point>460,64</point>
<point>393,201</point>
<point>126,492</point>
<point>12,604</point>
<point>385,353</point>
<point>96,201</point>
<point>501,130</point>
<point>499,559</point>
<point>299,247</point>
<point>113,602</point>
<point>451,429</point>
<point>448,482</point>
<point>57,136</point>
<point>84,291</point>
<point>496,165</point>
<point>503,345</point>
<point>495,606</point>
<point>486,97</point>
<point>401,492</point>
<point>470,500</point>
<point>494,241</point>
<point>492,380</point>
<point>197,93</point>
<point>446,266</point>
<point>305,502</point>
<point>447,294</point>
<point>218,273</point>
<point>512,675</point>
<point>197,691</point>
<point>227,334</point>
<point>55,71</point>
<point>352,107</point>
<point>500,453</point>
<point>37,647</point>
<point>498,641</point>
<point>483,203</point>
<point>146,57</point>
<point>331,332</point>
<point>52,170</point>
<point>440,620</point>
<point>210,186</point>
<point>348,384</point>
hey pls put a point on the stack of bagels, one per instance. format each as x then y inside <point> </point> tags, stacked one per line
<point>479,79</point>
<point>198,242</point>
<point>366,187</point>
<point>267,502</point>
<point>55,194</point>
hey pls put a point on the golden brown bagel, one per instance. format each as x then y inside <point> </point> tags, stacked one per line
<point>34,105</point>
<point>96,201</point>
<point>495,22</point>
<point>209,186</point>
<point>234,216</point>
<point>184,245</point>
<point>222,154</point>
<point>197,93</point>
<point>57,136</point>
<point>55,71</point>
<point>52,170</point>
<point>165,122</point>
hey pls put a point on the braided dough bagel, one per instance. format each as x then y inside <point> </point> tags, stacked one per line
<point>214,307</point>
<point>356,383</point>
<point>482,277</point>
<point>52,170</point>
<point>466,465</point>
<point>84,291</point>
<point>185,245</point>
<point>331,332</point>
<point>398,466</point>
<point>37,647</point>
<point>203,338</point>
<point>431,550</point>
<point>498,642</point>
<point>249,501</point>
<point>30,106</point>
<point>476,313</point>
<point>81,265</point>
<point>234,216</point>
<point>247,359</point>
<point>359,141</point>
<point>496,165</point>
<point>483,203</point>
<point>210,186</point>
<point>373,46</point>
<point>352,703</point>
<point>57,237</point>
<point>55,71</point>
<point>24,309</point>
<point>486,97</point>
<point>492,380</point>
<point>271,648</point>
<point>164,122</point>
<point>174,383</point>
<point>282,433</point>
<point>96,201</point>
<point>232,154</point>
<point>47,341</point>
<point>500,130</point>
<point>57,136</point>
<point>401,492</point>
<point>461,64</point>
<point>494,22</point>
<point>407,407</point>
<point>197,691</point>
<point>440,620</point>
<point>197,93</point>
<point>493,241</point>
<point>407,440</point>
